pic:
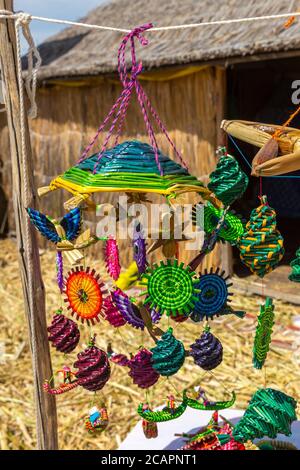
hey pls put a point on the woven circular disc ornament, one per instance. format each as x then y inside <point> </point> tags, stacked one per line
<point>170,288</point>
<point>228,182</point>
<point>84,294</point>
<point>212,295</point>
<point>261,246</point>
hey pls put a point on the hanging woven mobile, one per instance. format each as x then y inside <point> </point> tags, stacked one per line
<point>63,333</point>
<point>261,246</point>
<point>207,351</point>
<point>202,403</point>
<point>262,340</point>
<point>111,256</point>
<point>168,355</point>
<point>170,288</point>
<point>269,412</point>
<point>84,294</point>
<point>228,182</point>
<point>97,420</point>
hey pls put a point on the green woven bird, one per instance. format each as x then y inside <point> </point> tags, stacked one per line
<point>261,245</point>
<point>228,181</point>
<point>269,413</point>
<point>262,340</point>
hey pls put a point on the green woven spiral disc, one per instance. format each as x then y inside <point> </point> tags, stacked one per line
<point>171,288</point>
<point>228,182</point>
<point>295,265</point>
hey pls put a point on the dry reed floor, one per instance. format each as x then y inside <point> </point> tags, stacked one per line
<point>17,422</point>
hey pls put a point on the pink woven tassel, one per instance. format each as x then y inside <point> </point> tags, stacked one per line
<point>111,254</point>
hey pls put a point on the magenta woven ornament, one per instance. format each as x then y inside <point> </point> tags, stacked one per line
<point>63,333</point>
<point>112,261</point>
<point>60,271</point>
<point>141,370</point>
<point>139,252</point>
<point>112,314</point>
<point>93,368</point>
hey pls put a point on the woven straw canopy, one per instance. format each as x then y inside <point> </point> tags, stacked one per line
<point>129,167</point>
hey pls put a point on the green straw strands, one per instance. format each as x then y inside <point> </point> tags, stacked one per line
<point>168,355</point>
<point>263,333</point>
<point>166,414</point>
<point>232,229</point>
<point>228,182</point>
<point>130,167</point>
<point>261,246</point>
<point>269,412</point>
<point>170,288</point>
<point>295,265</point>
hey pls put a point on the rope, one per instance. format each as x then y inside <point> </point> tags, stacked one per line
<point>5,14</point>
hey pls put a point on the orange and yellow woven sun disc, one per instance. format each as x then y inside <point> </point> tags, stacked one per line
<point>84,294</point>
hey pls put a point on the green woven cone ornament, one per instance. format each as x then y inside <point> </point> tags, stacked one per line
<point>263,333</point>
<point>228,181</point>
<point>295,265</point>
<point>168,355</point>
<point>170,288</point>
<point>232,229</point>
<point>269,413</point>
<point>261,246</point>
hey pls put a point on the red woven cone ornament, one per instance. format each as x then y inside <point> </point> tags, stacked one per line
<point>112,314</point>
<point>64,333</point>
<point>84,294</point>
<point>93,368</point>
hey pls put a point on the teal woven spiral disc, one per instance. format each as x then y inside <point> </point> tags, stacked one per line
<point>171,288</point>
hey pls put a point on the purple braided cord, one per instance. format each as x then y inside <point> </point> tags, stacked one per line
<point>119,109</point>
<point>60,270</point>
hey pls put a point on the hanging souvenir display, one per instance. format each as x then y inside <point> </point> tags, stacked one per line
<point>262,340</point>
<point>261,246</point>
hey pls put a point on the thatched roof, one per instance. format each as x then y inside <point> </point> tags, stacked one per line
<point>79,52</point>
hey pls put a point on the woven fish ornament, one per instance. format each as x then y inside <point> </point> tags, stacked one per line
<point>261,246</point>
<point>228,182</point>
<point>295,265</point>
<point>263,333</point>
<point>168,355</point>
<point>207,351</point>
<point>269,412</point>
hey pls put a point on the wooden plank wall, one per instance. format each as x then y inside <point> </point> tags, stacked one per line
<point>191,107</point>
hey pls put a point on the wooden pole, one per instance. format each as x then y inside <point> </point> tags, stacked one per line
<point>29,262</point>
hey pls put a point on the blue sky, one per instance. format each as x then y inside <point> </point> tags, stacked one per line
<point>61,9</point>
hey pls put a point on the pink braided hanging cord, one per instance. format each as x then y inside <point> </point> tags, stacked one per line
<point>118,111</point>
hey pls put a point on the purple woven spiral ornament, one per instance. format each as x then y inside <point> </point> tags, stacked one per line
<point>207,351</point>
<point>128,310</point>
<point>63,333</point>
<point>139,252</point>
<point>60,270</point>
<point>141,370</point>
<point>93,367</point>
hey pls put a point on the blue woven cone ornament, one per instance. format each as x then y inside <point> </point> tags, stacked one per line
<point>207,351</point>
<point>168,355</point>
